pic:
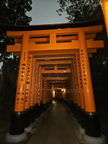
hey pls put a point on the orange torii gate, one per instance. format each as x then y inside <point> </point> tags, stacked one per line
<point>105,12</point>
<point>57,45</point>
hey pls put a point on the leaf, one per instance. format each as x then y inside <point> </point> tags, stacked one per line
<point>80,10</point>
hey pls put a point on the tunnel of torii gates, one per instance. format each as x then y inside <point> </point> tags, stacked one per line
<point>54,63</point>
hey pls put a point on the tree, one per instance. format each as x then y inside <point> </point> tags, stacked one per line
<point>13,12</point>
<point>80,10</point>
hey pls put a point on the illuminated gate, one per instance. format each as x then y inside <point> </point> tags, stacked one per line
<point>55,58</point>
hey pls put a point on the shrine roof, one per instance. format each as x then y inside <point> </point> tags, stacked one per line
<point>51,26</point>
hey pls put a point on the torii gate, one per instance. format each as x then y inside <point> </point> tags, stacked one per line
<point>63,50</point>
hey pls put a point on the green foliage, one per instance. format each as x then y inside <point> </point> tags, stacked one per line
<point>80,10</point>
<point>13,12</point>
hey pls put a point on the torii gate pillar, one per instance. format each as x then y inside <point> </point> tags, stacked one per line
<point>105,12</point>
<point>92,132</point>
<point>17,121</point>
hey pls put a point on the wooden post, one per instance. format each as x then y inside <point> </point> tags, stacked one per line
<point>86,75</point>
<point>44,90</point>
<point>49,91</point>
<point>92,127</point>
<point>28,91</point>
<point>32,92</point>
<point>70,86</point>
<point>105,12</point>
<point>80,85</point>
<point>36,82</point>
<point>36,76</point>
<point>76,82</point>
<point>17,121</point>
<point>39,85</point>
<point>39,98</point>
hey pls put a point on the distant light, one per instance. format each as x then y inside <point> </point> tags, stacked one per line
<point>63,90</point>
<point>53,91</point>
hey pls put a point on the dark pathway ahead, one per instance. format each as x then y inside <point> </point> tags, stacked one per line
<point>57,127</point>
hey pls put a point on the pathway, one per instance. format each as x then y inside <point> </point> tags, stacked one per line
<point>57,127</point>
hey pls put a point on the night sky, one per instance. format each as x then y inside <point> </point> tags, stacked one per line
<point>44,12</point>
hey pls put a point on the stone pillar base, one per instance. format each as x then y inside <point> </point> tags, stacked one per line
<point>16,138</point>
<point>81,132</point>
<point>94,140</point>
<point>29,128</point>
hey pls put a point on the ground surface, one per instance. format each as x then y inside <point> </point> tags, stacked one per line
<point>57,127</point>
